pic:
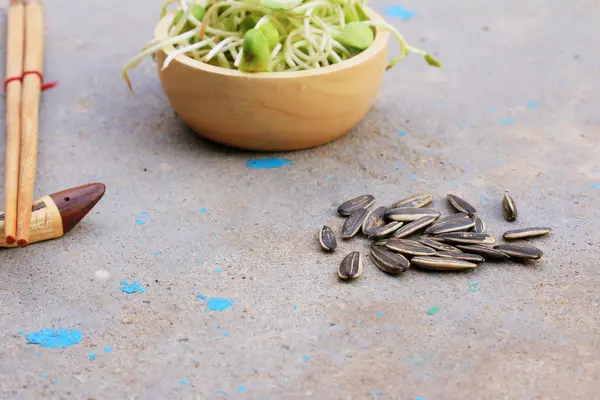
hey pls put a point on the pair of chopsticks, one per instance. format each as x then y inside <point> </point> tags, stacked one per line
<point>23,86</point>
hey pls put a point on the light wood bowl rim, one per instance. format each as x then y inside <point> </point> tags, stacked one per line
<point>379,44</point>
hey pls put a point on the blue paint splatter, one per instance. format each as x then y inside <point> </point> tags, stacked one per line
<point>376,394</point>
<point>218,270</point>
<point>507,121</point>
<point>397,11</point>
<point>45,374</point>
<point>594,186</point>
<point>330,178</point>
<point>402,133</point>
<point>55,381</point>
<point>55,338</point>
<point>399,166</point>
<point>218,326</point>
<point>305,358</point>
<point>268,163</point>
<point>134,287</point>
<point>37,354</point>
<point>216,303</point>
<point>241,388</point>
<point>483,197</point>
<point>92,356</point>
<point>108,349</point>
<point>225,334</point>
<point>357,322</point>
<point>413,177</point>
<point>380,314</point>
<point>295,308</point>
<point>420,398</point>
<point>145,214</point>
<point>21,332</point>
<point>533,104</point>
<point>140,222</point>
<point>472,287</point>
<point>203,210</point>
<point>492,109</point>
<point>156,253</point>
<point>183,381</point>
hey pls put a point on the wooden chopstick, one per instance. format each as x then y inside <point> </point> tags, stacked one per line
<point>32,87</point>
<point>14,71</point>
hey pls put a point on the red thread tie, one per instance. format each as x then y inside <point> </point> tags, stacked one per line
<point>45,86</point>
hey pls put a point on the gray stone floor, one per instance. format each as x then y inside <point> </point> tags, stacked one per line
<point>515,107</point>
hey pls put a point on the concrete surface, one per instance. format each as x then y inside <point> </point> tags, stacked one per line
<point>515,107</point>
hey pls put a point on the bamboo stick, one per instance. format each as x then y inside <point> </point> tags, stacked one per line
<point>32,86</point>
<point>14,69</point>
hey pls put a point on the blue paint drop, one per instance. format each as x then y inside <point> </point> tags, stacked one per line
<point>37,354</point>
<point>108,349</point>
<point>402,133</point>
<point>376,394</point>
<point>533,104</point>
<point>594,186</point>
<point>330,178</point>
<point>268,163</point>
<point>380,314</point>
<point>203,210</point>
<point>483,197</point>
<point>357,322</point>
<point>45,374</point>
<point>92,356</point>
<point>507,121</point>
<point>399,166</point>
<point>55,338</point>
<point>55,381</point>
<point>241,388</point>
<point>156,253</point>
<point>145,214</point>
<point>413,177</point>
<point>134,287</point>
<point>492,109</point>
<point>225,334</point>
<point>20,332</point>
<point>295,308</point>
<point>218,326</point>
<point>140,222</point>
<point>419,398</point>
<point>305,358</point>
<point>218,270</point>
<point>399,12</point>
<point>216,303</point>
<point>183,381</point>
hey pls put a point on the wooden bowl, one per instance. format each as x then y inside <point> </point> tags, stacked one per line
<point>273,111</point>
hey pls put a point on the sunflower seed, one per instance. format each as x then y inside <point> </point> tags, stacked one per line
<point>353,224</point>
<point>412,227</point>
<point>509,208</point>
<point>351,266</point>
<point>474,258</point>
<point>526,232</point>
<point>407,214</point>
<point>438,246</point>
<point>461,205</point>
<point>327,238</point>
<point>442,264</point>
<point>388,261</point>
<point>487,252</point>
<point>375,219</point>
<point>524,251</point>
<point>452,226</point>
<point>411,247</point>
<point>386,230</point>
<point>479,225</point>
<point>357,203</point>
<point>447,218</point>
<point>468,237</point>
<point>380,243</point>
<point>418,201</point>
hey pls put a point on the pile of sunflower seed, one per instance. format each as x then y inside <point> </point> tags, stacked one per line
<point>455,242</point>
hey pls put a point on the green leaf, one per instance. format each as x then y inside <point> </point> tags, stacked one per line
<point>256,52</point>
<point>432,61</point>
<point>268,29</point>
<point>350,14</point>
<point>248,23</point>
<point>362,15</point>
<point>356,35</point>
